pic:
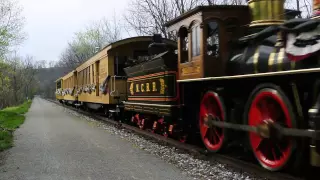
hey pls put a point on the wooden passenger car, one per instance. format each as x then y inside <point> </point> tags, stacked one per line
<point>69,87</point>
<point>101,79</point>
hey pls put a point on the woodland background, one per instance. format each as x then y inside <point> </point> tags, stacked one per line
<point>23,77</point>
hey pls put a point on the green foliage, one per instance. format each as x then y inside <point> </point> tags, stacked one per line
<point>17,80</point>
<point>13,72</point>
<point>11,25</point>
<point>5,140</point>
<point>10,119</point>
<point>4,79</point>
<point>21,109</point>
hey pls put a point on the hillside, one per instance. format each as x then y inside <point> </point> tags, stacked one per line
<point>46,78</point>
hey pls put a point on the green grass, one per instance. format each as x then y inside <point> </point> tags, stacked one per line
<point>10,119</point>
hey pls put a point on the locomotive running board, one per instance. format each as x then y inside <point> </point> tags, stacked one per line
<point>266,130</point>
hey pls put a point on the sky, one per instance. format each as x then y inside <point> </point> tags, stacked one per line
<point>50,24</point>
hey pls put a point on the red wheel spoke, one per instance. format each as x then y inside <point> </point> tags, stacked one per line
<point>212,137</point>
<point>209,136</point>
<point>280,150</point>
<point>259,144</point>
<point>274,153</point>
<point>256,141</point>
<point>216,133</point>
<point>204,130</point>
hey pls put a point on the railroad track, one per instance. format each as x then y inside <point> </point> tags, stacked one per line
<point>196,151</point>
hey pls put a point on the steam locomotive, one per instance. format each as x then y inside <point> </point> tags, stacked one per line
<point>240,73</point>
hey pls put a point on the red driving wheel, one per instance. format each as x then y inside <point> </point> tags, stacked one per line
<point>273,106</point>
<point>212,137</point>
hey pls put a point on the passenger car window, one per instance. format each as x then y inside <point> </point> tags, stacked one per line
<point>184,45</point>
<point>213,39</point>
<point>195,40</point>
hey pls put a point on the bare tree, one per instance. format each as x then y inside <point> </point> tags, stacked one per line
<point>107,31</point>
<point>51,64</point>
<point>29,72</point>
<point>147,17</point>
<point>11,24</point>
<point>226,2</point>
<point>306,7</point>
<point>87,42</point>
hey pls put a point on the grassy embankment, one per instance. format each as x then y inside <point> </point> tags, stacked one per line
<point>10,119</point>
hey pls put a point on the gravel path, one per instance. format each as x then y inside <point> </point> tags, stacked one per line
<point>54,144</point>
<point>192,166</point>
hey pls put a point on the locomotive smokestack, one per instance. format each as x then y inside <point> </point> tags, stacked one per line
<point>157,46</point>
<point>267,12</point>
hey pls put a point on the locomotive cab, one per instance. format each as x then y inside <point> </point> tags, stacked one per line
<point>203,37</point>
<point>209,36</point>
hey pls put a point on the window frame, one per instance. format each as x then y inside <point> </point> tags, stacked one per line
<point>206,36</point>
<point>89,73</point>
<point>184,34</point>
<point>59,84</point>
<point>195,37</point>
<point>92,73</point>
